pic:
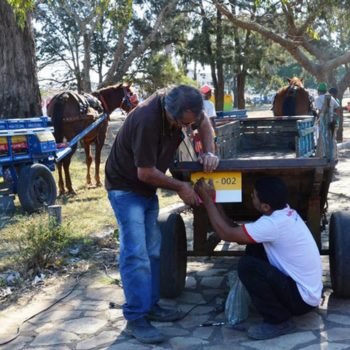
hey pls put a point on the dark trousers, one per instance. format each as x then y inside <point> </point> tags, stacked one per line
<point>275,296</point>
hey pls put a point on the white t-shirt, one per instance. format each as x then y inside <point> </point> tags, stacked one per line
<point>290,247</point>
<point>209,108</point>
<point>320,100</point>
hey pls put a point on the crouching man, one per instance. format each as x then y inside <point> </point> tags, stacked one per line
<point>281,269</point>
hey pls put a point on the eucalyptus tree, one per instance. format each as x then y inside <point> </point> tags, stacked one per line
<point>206,45</point>
<point>106,36</point>
<point>158,71</point>
<point>151,20</point>
<point>69,33</point>
<point>19,89</point>
<point>315,33</point>
<point>231,53</point>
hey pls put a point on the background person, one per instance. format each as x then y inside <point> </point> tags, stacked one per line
<point>335,115</point>
<point>210,111</point>
<point>322,90</point>
<point>209,107</point>
<point>142,152</point>
<point>282,269</point>
<point>334,92</point>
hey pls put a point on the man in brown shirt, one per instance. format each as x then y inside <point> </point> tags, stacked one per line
<point>142,152</point>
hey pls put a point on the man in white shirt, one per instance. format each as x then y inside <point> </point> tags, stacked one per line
<point>322,90</point>
<point>334,112</point>
<point>282,269</point>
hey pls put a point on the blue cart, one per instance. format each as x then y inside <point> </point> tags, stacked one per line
<point>28,153</point>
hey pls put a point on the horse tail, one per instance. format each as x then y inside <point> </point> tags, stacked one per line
<point>289,105</point>
<point>57,119</point>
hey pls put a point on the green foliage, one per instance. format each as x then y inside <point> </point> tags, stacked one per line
<point>119,12</point>
<point>20,9</point>
<point>160,72</point>
<point>40,242</point>
<point>63,29</point>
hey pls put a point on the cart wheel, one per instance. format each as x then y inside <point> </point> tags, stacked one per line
<point>36,187</point>
<point>173,255</point>
<point>339,256</point>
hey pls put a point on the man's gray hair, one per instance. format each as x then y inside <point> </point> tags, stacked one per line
<point>183,98</point>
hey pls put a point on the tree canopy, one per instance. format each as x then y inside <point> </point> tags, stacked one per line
<point>246,44</point>
<point>309,32</point>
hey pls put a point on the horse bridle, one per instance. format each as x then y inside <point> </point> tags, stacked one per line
<point>126,100</point>
<point>104,103</point>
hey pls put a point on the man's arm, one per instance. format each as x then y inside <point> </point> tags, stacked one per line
<point>228,220</point>
<point>154,177</point>
<point>209,160</point>
<point>220,225</point>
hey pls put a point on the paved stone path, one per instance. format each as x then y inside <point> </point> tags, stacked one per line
<point>84,320</point>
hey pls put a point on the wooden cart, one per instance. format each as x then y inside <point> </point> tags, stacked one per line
<point>250,148</point>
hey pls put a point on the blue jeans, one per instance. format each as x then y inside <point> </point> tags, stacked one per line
<point>140,240</point>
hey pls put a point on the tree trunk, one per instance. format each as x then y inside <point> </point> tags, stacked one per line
<point>19,89</point>
<point>220,92</point>
<point>235,92</point>
<point>86,82</point>
<point>195,71</point>
<point>240,90</point>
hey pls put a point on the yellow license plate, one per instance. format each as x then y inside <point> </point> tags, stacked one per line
<point>228,185</point>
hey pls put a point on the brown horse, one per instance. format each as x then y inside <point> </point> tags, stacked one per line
<point>72,112</point>
<point>292,100</point>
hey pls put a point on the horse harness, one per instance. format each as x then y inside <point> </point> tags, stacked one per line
<point>289,100</point>
<point>126,100</point>
<point>89,105</point>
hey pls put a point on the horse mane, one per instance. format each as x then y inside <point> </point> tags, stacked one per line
<point>116,86</point>
<point>296,81</point>
<point>57,118</point>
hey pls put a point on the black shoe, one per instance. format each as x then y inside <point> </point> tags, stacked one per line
<point>269,330</point>
<point>143,331</point>
<point>160,314</point>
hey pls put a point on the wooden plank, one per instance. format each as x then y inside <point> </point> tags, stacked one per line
<point>314,209</point>
<point>305,145</point>
<point>258,164</point>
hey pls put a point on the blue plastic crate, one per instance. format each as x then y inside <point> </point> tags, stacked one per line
<point>16,124</point>
<point>32,123</point>
<point>48,146</point>
<point>24,123</point>
<point>3,124</point>
<point>42,143</point>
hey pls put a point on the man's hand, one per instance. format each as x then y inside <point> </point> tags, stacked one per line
<point>187,194</point>
<point>205,191</point>
<point>209,160</point>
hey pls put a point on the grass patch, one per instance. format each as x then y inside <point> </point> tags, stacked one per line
<point>87,213</point>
